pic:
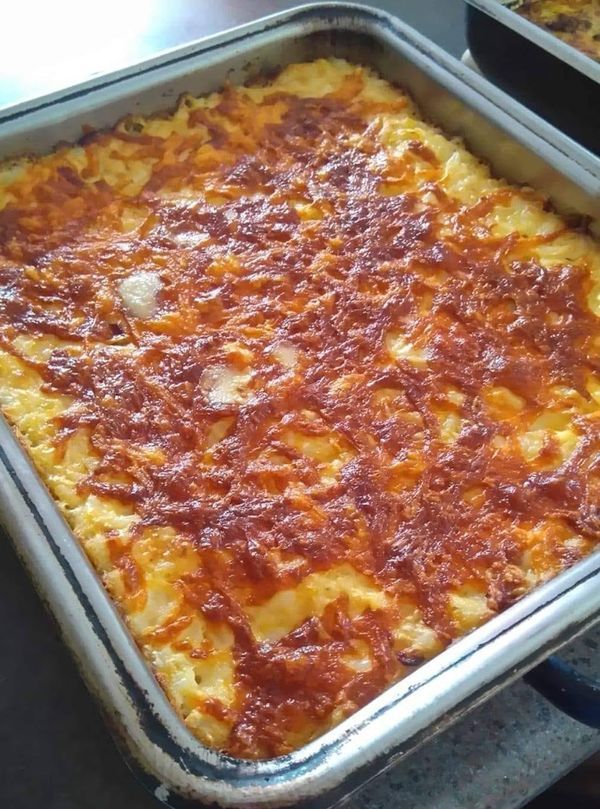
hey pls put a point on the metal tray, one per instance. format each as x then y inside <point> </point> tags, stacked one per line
<point>552,78</point>
<point>502,10</point>
<point>172,763</point>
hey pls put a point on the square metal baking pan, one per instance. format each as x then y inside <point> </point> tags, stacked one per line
<point>173,764</point>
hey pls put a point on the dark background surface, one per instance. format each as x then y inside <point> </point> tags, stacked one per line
<point>55,751</point>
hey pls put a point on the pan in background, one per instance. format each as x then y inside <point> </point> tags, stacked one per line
<point>541,71</point>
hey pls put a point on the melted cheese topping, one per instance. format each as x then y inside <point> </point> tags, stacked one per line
<point>576,22</point>
<point>315,392</point>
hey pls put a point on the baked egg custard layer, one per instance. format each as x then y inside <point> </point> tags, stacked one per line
<point>576,22</point>
<point>315,392</point>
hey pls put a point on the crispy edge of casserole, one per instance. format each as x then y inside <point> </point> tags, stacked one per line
<point>576,22</point>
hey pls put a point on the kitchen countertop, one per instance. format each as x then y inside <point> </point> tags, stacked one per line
<point>55,750</point>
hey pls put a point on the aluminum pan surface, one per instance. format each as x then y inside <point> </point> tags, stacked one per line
<point>500,10</point>
<point>470,670</point>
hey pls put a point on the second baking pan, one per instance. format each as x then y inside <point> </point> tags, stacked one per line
<point>504,11</point>
<point>551,77</point>
<point>177,768</point>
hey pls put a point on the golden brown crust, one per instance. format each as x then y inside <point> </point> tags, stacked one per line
<point>576,22</point>
<point>332,384</point>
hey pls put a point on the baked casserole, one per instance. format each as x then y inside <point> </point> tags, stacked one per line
<point>576,22</point>
<point>316,393</point>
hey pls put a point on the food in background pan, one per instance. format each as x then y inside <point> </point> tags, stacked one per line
<point>315,392</point>
<point>576,22</point>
